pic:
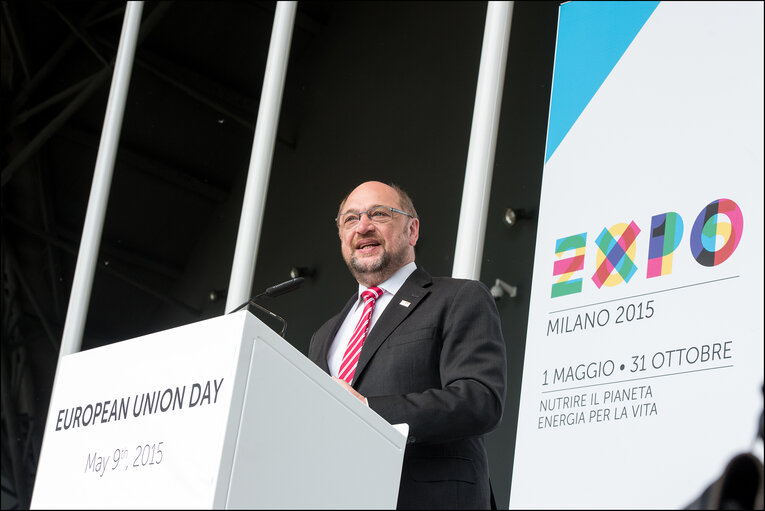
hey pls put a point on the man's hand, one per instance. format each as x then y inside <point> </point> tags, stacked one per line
<point>350,389</point>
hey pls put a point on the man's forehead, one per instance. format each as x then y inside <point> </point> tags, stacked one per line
<point>369,195</point>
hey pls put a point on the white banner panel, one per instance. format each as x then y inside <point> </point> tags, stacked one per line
<point>643,371</point>
<point>148,413</point>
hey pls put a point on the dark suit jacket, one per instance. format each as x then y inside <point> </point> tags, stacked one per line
<point>439,365</point>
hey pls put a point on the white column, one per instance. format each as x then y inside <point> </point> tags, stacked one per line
<point>483,141</point>
<point>87,257</point>
<point>253,206</point>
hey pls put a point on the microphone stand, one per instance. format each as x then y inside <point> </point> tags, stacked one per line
<point>252,301</point>
<point>284,287</point>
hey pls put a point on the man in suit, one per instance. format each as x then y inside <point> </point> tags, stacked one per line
<point>433,355</point>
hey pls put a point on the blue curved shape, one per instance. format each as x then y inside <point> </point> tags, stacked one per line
<point>592,37</point>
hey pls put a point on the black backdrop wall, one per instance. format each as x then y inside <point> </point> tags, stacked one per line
<point>375,90</point>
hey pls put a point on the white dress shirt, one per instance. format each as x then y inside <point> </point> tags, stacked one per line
<point>390,287</point>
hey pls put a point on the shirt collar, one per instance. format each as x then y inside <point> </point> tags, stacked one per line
<point>394,283</point>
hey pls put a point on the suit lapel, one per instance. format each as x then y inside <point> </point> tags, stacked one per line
<point>413,291</point>
<point>326,342</point>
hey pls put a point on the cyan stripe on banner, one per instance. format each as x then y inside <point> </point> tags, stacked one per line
<point>592,37</point>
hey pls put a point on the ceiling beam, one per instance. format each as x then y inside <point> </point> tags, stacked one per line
<point>95,84</point>
<point>66,242</point>
<point>15,269</point>
<point>105,266</point>
<point>62,50</point>
<point>49,225</point>
<point>78,33</point>
<point>238,107</point>
<point>150,167</point>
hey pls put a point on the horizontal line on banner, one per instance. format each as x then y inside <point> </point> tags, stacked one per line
<point>636,379</point>
<point>644,294</point>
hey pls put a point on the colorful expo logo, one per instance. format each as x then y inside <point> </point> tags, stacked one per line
<point>615,259</point>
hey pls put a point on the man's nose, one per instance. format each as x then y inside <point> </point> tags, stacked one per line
<point>365,224</point>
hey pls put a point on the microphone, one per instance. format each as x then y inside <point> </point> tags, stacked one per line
<point>284,287</point>
<point>271,292</point>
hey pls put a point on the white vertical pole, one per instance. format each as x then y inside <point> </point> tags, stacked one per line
<point>483,142</point>
<point>243,268</point>
<point>87,257</point>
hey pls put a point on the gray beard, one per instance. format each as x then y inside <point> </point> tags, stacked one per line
<point>378,272</point>
<point>382,269</point>
<point>380,265</point>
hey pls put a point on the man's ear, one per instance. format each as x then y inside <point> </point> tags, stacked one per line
<point>414,231</point>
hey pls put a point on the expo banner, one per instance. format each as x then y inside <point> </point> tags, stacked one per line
<point>643,371</point>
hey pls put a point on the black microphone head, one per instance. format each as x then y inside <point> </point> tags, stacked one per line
<point>284,287</point>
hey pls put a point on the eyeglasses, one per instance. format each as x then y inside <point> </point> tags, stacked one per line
<point>377,214</point>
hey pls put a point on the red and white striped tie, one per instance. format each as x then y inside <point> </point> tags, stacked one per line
<point>352,352</point>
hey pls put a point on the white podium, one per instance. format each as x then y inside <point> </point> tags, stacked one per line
<point>223,413</point>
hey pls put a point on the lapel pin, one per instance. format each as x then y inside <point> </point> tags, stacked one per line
<point>404,303</point>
